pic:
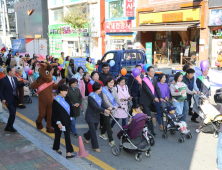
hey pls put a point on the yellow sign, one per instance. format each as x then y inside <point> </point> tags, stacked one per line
<point>37,36</point>
<point>129,37</point>
<point>170,16</point>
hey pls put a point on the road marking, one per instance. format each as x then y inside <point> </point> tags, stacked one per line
<point>91,158</point>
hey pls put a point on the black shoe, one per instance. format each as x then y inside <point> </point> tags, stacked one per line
<point>194,120</point>
<point>190,113</point>
<point>75,135</point>
<point>154,134</point>
<point>59,152</point>
<point>11,129</point>
<point>22,106</point>
<point>72,156</point>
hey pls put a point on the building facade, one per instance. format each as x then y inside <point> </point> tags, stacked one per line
<point>176,31</point>
<point>62,37</point>
<point>120,17</point>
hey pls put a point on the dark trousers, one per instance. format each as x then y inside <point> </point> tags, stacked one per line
<point>107,127</point>
<point>146,110</point>
<point>63,73</point>
<point>91,134</point>
<point>21,93</point>
<point>195,115</point>
<point>190,109</point>
<point>58,133</point>
<point>12,112</point>
<point>101,120</point>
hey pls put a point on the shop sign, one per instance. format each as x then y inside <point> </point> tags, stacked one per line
<point>215,17</point>
<point>149,52</point>
<point>118,26</point>
<point>129,8</point>
<point>65,30</point>
<point>170,16</point>
<point>216,51</point>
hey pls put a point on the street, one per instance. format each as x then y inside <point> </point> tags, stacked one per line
<point>194,154</point>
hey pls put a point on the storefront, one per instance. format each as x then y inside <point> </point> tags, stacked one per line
<point>174,35</point>
<point>63,38</point>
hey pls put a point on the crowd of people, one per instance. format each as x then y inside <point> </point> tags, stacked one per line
<point>96,95</point>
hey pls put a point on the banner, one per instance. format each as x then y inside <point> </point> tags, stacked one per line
<point>129,8</point>
<point>216,17</point>
<point>118,26</point>
<point>193,46</point>
<point>18,45</point>
<point>216,50</point>
<point>149,52</point>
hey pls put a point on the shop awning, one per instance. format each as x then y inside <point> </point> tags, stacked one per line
<point>176,27</point>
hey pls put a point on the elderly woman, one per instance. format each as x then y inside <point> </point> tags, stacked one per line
<point>95,107</point>
<point>111,99</point>
<point>76,99</point>
<point>79,74</point>
<point>62,113</point>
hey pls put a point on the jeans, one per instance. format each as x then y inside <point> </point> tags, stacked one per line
<point>117,119</point>
<point>73,126</point>
<point>179,107</point>
<point>159,113</point>
<point>219,151</point>
<point>185,110</point>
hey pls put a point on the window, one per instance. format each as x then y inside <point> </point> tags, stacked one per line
<point>116,9</point>
<point>108,57</point>
<point>127,56</point>
<point>58,14</point>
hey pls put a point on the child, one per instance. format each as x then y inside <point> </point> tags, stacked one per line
<point>176,121</point>
<point>136,109</point>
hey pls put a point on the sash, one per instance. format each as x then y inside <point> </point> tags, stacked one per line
<point>204,81</point>
<point>18,76</point>
<point>149,84</point>
<point>63,103</point>
<point>43,87</point>
<point>92,82</point>
<point>184,73</point>
<point>138,78</point>
<point>62,65</point>
<point>109,95</point>
<point>96,98</point>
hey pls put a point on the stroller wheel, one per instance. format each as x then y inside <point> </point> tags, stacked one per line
<point>148,154</point>
<point>164,135</point>
<point>197,131</point>
<point>216,134</point>
<point>172,132</point>
<point>152,140</point>
<point>181,140</point>
<point>115,150</point>
<point>189,136</point>
<point>138,157</point>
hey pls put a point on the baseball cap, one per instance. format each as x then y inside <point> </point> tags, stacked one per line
<point>169,108</point>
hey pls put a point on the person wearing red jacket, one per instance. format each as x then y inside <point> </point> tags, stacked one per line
<point>95,78</point>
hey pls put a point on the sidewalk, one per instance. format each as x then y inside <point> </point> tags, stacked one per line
<point>18,153</point>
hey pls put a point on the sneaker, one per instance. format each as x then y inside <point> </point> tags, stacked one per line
<point>112,143</point>
<point>103,136</point>
<point>75,135</point>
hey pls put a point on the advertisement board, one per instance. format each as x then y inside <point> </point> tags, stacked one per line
<point>215,17</point>
<point>118,26</point>
<point>18,46</point>
<point>149,52</point>
<point>129,8</point>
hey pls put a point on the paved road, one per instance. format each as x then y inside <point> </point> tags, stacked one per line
<point>197,153</point>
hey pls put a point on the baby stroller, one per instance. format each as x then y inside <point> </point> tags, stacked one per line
<point>210,115</point>
<point>134,137</point>
<point>168,124</point>
<point>27,98</point>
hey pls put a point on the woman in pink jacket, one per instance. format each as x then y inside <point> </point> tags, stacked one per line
<point>123,94</point>
<point>83,84</point>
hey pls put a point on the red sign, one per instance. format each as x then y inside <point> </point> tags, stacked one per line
<point>118,26</point>
<point>129,8</point>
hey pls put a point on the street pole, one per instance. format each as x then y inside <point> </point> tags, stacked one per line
<point>1,113</point>
<point>6,10</point>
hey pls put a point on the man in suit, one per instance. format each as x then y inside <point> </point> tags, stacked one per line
<point>148,95</point>
<point>9,96</point>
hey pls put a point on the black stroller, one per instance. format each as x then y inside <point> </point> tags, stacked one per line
<point>166,119</point>
<point>134,137</point>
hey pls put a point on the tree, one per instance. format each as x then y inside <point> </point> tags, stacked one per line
<point>78,17</point>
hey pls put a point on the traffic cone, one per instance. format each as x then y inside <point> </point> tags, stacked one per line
<point>82,152</point>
